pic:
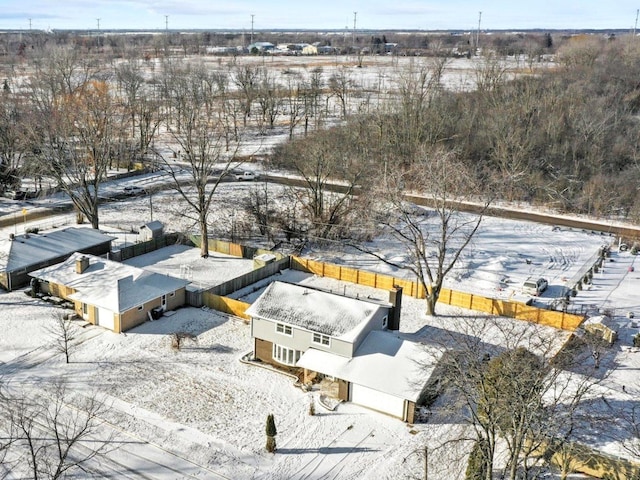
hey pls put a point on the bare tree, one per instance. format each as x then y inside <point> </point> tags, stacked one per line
<point>63,333</point>
<point>341,85</point>
<point>77,137</point>
<point>506,379</point>
<point>49,429</point>
<point>435,238</point>
<point>201,135</point>
<point>320,163</point>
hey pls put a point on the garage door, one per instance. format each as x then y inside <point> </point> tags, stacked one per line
<point>105,318</point>
<point>375,400</point>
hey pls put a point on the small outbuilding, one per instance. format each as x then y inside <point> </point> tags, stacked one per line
<point>151,230</point>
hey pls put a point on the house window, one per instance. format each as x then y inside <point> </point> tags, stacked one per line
<point>284,329</point>
<point>285,355</point>
<point>384,321</point>
<point>84,309</point>
<point>139,307</point>
<point>172,294</point>
<point>321,339</point>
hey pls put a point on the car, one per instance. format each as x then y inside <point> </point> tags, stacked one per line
<point>133,191</point>
<point>246,175</point>
<point>534,287</point>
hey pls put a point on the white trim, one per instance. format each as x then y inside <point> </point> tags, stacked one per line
<point>321,339</point>
<point>284,329</point>
<point>285,355</point>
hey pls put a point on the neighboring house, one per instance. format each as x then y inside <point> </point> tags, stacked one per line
<point>111,294</point>
<point>344,338</point>
<point>32,251</point>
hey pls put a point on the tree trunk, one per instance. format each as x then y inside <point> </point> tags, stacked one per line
<point>204,240</point>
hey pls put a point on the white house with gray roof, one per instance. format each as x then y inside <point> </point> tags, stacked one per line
<point>321,334</point>
<point>287,320</point>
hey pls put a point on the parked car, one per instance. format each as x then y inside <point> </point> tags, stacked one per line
<point>133,191</point>
<point>535,287</point>
<point>246,175</point>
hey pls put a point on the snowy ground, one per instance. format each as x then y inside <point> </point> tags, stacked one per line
<point>185,262</point>
<point>207,409</point>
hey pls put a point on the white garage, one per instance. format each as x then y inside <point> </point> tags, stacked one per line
<point>379,401</point>
<point>386,373</point>
<point>105,318</point>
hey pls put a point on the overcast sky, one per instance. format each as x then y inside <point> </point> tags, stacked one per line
<point>318,14</point>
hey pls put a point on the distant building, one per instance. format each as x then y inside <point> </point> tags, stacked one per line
<point>262,47</point>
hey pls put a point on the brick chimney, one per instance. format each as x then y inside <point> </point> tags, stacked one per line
<point>395,299</point>
<point>82,264</point>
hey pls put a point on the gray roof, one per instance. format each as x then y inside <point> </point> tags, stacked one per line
<point>314,310</point>
<point>107,284</point>
<point>31,249</point>
<point>154,226</point>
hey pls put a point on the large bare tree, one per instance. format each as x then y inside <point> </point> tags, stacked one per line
<point>77,137</point>
<point>523,401</point>
<point>433,239</point>
<point>200,132</point>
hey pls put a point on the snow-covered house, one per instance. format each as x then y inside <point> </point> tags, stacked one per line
<point>351,340</point>
<point>22,254</point>
<point>111,294</point>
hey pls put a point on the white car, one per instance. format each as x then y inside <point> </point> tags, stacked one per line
<point>133,191</point>
<point>534,287</point>
<point>248,175</point>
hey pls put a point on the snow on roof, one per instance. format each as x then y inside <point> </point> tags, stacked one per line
<point>385,362</point>
<point>154,225</point>
<point>314,310</point>
<point>31,249</point>
<point>107,284</point>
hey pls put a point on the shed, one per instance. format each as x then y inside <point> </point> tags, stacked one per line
<point>151,230</point>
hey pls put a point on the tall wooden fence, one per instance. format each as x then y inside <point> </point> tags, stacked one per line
<point>520,311</point>
<point>226,305</point>
<point>125,253</point>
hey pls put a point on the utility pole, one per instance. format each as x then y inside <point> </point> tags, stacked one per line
<point>98,20</point>
<point>251,38</point>
<point>353,37</point>
<point>166,35</point>
<point>635,25</point>
<point>30,24</point>
<point>478,34</point>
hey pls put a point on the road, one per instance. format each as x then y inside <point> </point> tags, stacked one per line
<point>159,181</point>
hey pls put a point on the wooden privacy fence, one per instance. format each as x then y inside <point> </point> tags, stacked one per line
<point>125,253</point>
<point>234,249</point>
<point>520,311</point>
<point>226,305</point>
<point>360,277</point>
